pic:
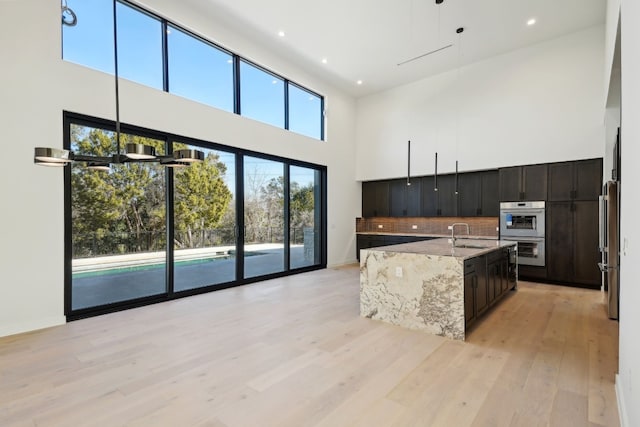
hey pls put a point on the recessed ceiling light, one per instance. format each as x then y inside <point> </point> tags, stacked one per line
<point>324,60</point>
<point>359,82</point>
<point>281,33</point>
<point>531,21</point>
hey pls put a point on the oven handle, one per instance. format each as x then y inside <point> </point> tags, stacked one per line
<point>522,239</point>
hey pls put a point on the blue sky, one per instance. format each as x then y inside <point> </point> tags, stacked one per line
<point>196,69</point>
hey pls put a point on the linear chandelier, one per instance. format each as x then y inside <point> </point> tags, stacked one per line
<point>47,156</point>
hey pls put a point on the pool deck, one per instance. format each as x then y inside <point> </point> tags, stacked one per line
<point>85,265</point>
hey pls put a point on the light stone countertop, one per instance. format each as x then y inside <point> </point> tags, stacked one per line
<point>442,247</point>
<point>407,234</point>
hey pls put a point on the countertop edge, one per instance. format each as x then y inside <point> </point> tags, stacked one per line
<point>377,233</point>
<point>472,252</point>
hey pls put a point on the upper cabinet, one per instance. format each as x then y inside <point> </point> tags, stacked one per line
<point>404,200</point>
<point>447,197</point>
<point>581,180</point>
<point>523,183</point>
<point>478,194</point>
<point>375,198</point>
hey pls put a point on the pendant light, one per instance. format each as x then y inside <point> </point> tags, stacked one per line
<point>459,31</point>
<point>409,162</point>
<point>46,156</point>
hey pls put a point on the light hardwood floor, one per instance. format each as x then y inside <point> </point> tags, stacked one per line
<point>294,352</point>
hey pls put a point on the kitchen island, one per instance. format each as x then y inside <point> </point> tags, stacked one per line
<point>434,286</point>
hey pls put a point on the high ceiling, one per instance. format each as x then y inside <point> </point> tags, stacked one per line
<point>367,39</point>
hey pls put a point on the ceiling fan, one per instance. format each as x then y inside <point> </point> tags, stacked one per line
<point>438,2</point>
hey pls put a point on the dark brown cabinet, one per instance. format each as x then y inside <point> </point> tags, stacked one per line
<point>497,275</point>
<point>580,180</point>
<point>523,183</point>
<point>478,194</point>
<point>572,242</point>
<point>405,200</point>
<point>375,198</point>
<point>429,197</point>
<point>447,197</point>
<point>490,204</point>
<point>470,194</point>
<point>476,294</point>
<point>443,202</point>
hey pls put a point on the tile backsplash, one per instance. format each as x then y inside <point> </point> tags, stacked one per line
<point>478,226</point>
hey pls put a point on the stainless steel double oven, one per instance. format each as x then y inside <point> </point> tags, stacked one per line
<point>523,222</point>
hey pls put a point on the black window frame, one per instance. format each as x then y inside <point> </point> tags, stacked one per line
<point>70,118</point>
<point>236,58</point>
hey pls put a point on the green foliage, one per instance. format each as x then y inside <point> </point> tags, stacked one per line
<point>123,210</point>
<point>201,198</point>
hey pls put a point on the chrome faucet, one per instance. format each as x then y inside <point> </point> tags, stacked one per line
<point>453,229</point>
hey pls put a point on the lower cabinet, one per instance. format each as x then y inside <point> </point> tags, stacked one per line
<point>476,291</point>
<point>366,241</point>
<point>486,280</point>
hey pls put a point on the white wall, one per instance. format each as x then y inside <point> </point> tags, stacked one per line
<point>38,86</point>
<point>628,384</point>
<point>539,104</point>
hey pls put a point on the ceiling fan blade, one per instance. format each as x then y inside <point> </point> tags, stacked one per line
<point>423,55</point>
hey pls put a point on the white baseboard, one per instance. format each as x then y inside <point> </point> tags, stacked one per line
<point>32,325</point>
<point>622,410</point>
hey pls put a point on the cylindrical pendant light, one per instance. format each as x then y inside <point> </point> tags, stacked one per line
<point>435,176</point>
<point>409,162</point>
<point>456,177</point>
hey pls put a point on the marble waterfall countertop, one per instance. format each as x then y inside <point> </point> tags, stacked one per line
<point>393,233</point>
<point>420,285</point>
<point>464,248</point>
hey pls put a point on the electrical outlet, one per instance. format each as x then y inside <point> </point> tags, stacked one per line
<point>449,241</point>
<point>449,227</point>
<point>380,226</point>
<point>398,271</point>
<point>414,227</point>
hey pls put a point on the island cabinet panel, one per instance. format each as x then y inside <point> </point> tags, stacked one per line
<point>469,298</point>
<point>476,288</point>
<point>497,275</point>
<point>523,183</point>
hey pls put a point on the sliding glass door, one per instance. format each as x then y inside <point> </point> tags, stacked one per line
<point>118,224</point>
<point>142,232</point>
<point>264,228</point>
<point>204,243</point>
<point>304,216</point>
